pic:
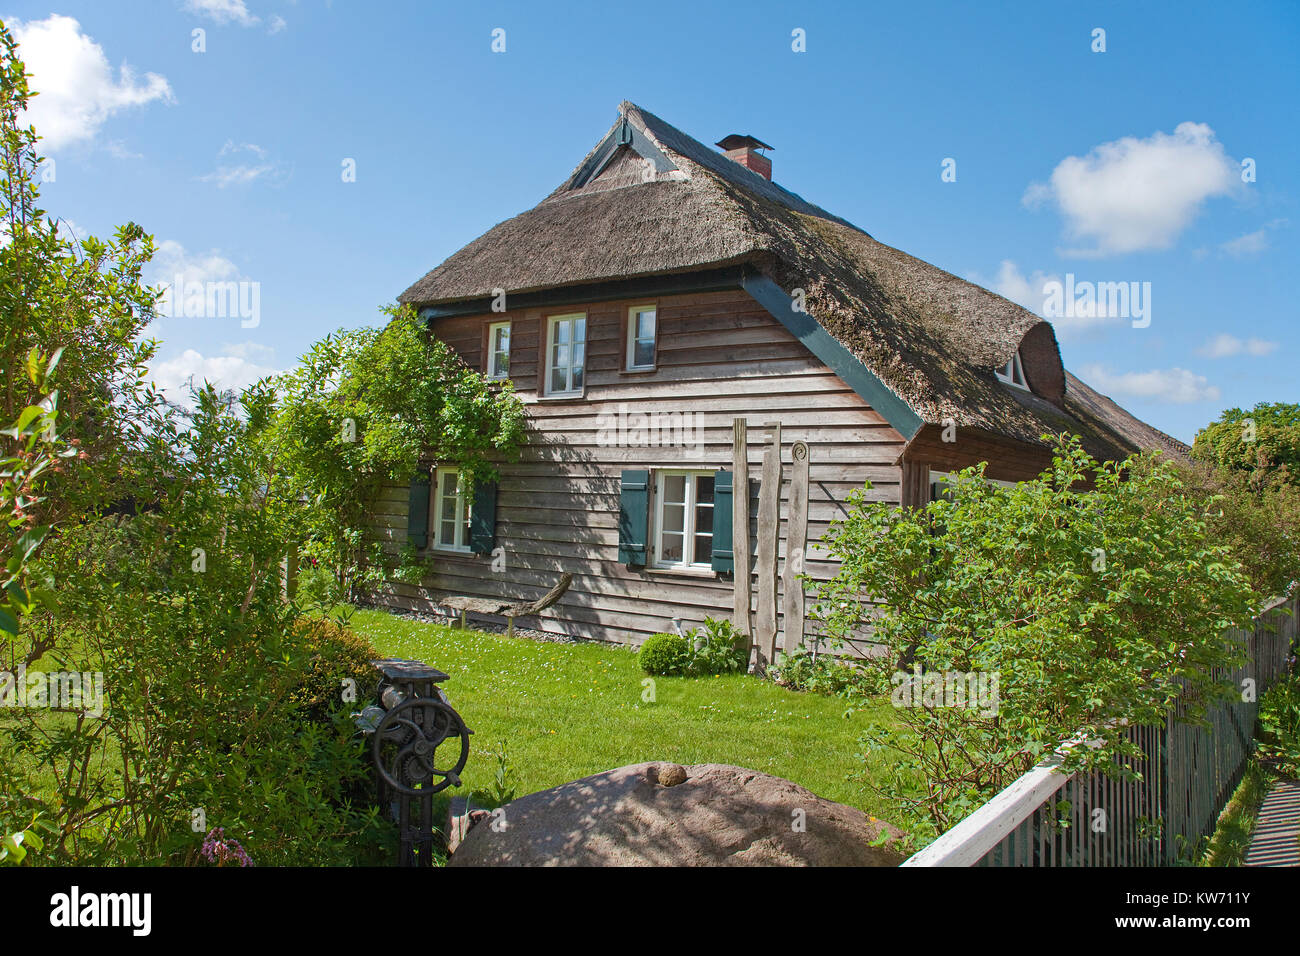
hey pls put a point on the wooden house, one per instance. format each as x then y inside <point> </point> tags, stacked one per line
<point>663,291</point>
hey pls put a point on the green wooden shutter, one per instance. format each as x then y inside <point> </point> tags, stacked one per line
<point>483,518</point>
<point>633,517</point>
<point>417,513</point>
<point>723,559</point>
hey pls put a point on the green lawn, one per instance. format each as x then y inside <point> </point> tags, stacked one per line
<point>567,711</point>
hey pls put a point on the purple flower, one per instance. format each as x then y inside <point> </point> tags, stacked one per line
<point>220,851</point>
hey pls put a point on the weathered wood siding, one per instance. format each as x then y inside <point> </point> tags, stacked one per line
<point>720,355</point>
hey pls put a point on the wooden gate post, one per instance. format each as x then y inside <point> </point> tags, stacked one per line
<point>742,577</point>
<point>796,540</point>
<point>769,521</point>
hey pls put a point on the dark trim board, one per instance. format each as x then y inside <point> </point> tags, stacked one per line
<point>711,280</point>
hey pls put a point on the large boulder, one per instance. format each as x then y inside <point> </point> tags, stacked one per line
<point>664,814</point>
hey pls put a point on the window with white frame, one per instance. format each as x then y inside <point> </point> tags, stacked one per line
<point>566,348</point>
<point>499,350</point>
<point>641,325</point>
<point>451,512</point>
<point>1013,373</point>
<point>683,525</point>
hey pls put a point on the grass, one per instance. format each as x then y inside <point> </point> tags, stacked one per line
<point>567,711</point>
<point>1231,837</point>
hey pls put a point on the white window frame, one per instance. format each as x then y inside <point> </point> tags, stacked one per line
<point>461,544</point>
<point>492,370</point>
<point>629,362</point>
<point>551,323</point>
<point>687,564</point>
<point>1013,373</point>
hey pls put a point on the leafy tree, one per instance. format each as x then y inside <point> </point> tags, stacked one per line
<point>367,406</point>
<point>222,702</point>
<point>83,298</point>
<point>1263,443</point>
<point>1095,594</point>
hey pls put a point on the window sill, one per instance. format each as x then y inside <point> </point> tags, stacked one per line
<point>684,572</point>
<point>638,371</point>
<point>563,397</point>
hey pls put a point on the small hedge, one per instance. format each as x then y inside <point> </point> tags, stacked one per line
<point>665,655</point>
<point>337,653</point>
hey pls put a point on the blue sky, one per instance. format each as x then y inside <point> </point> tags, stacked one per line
<point>1114,166</point>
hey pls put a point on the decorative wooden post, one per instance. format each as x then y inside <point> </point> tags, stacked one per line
<point>769,521</point>
<point>796,540</point>
<point>743,576</point>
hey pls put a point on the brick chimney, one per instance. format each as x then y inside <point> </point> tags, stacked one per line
<point>745,150</point>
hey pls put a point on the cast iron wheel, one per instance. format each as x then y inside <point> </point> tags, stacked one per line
<point>406,741</point>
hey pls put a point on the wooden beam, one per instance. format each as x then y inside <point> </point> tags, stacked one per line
<point>796,541</point>
<point>769,521</point>
<point>743,576</point>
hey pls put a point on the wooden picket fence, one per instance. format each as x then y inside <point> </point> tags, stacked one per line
<point>1189,771</point>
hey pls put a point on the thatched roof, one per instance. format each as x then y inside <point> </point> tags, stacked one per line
<point>650,200</point>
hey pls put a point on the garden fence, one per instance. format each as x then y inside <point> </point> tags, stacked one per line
<point>1189,771</point>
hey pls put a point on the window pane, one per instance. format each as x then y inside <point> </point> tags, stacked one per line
<point>580,330</point>
<point>643,353</point>
<point>704,519</point>
<point>561,332</point>
<point>502,363</point>
<point>559,380</point>
<point>447,533</point>
<point>704,489</point>
<point>670,548</point>
<point>502,343</point>
<point>645,325</point>
<point>674,518</point>
<point>703,549</point>
<point>675,488</point>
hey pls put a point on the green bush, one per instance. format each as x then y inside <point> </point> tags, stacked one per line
<point>718,649</point>
<point>335,654</point>
<point>665,655</point>
<point>1279,728</point>
<point>829,676</point>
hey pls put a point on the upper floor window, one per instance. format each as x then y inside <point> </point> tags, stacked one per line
<point>641,325</point>
<point>566,348</point>
<point>1013,373</point>
<point>683,526</point>
<point>498,365</point>
<point>451,511</point>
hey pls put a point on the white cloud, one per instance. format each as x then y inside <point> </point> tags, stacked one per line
<point>223,11</point>
<point>1028,291</point>
<point>231,369</point>
<point>1226,346</point>
<point>77,86</point>
<point>1138,194</point>
<point>171,260</point>
<point>1252,243</point>
<point>277,24</point>
<point>239,174</point>
<point>1174,385</point>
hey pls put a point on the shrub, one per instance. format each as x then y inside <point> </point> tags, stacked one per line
<point>1093,594</point>
<point>335,654</point>
<point>718,649</point>
<point>665,655</point>
<point>1279,728</point>
<point>829,676</point>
